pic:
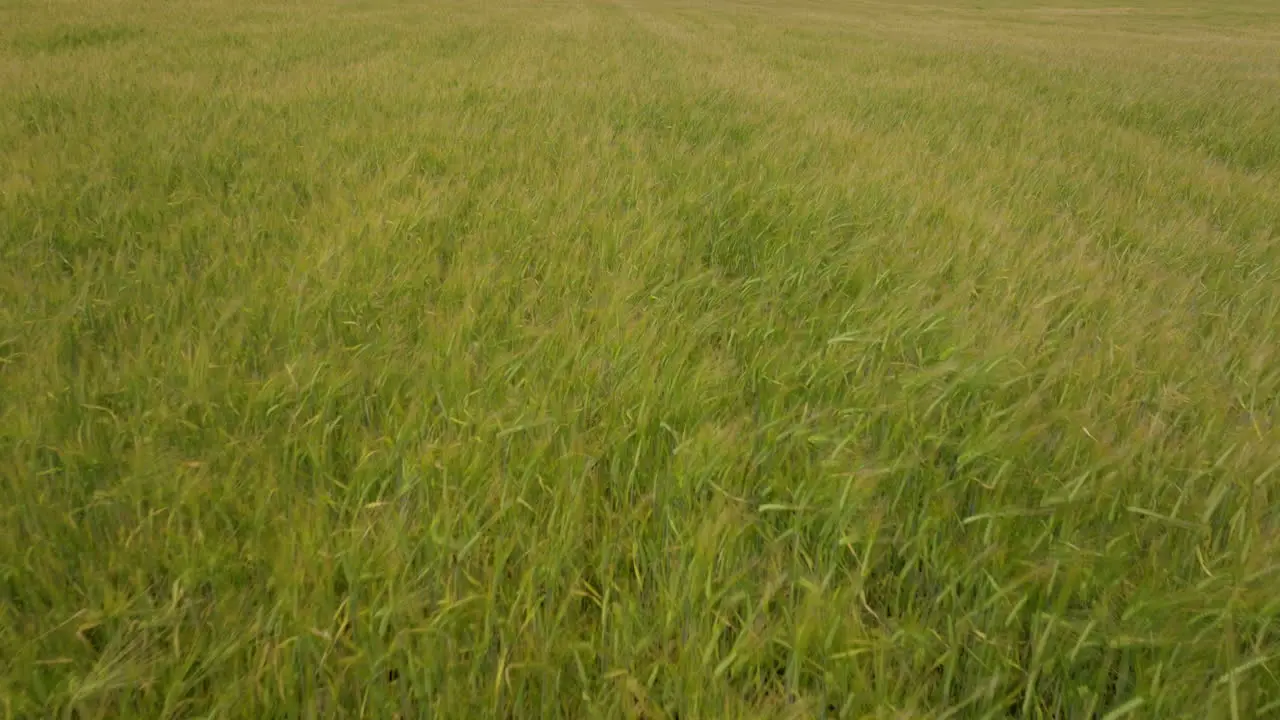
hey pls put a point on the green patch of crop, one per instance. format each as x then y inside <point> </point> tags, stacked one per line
<point>639,359</point>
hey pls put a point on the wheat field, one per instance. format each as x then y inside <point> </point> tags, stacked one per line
<point>639,358</point>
